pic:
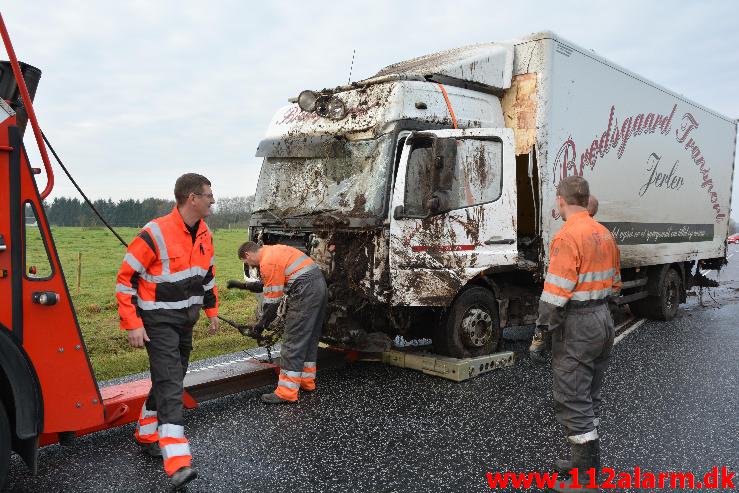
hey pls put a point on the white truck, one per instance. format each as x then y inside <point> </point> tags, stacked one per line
<point>427,192</point>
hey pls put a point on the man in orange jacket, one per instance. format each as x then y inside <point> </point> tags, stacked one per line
<point>289,276</point>
<point>541,342</point>
<point>167,276</point>
<point>583,275</point>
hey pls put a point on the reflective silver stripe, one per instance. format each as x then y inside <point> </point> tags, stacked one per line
<point>170,305</point>
<point>212,260</point>
<point>134,263</point>
<point>159,240</point>
<point>585,437</point>
<point>591,295</point>
<point>295,265</point>
<point>294,374</point>
<point>177,276</point>
<point>175,450</point>
<point>122,288</point>
<point>289,385</point>
<point>562,282</point>
<point>553,299</point>
<point>272,300</point>
<point>149,429</point>
<point>300,272</point>
<point>273,289</point>
<point>209,286</point>
<point>145,413</point>
<point>309,375</point>
<point>309,365</point>
<point>596,422</point>
<point>172,431</point>
<point>596,276</point>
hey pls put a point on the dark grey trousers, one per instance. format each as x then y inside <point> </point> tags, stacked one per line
<point>581,348</point>
<point>307,299</point>
<point>169,350</point>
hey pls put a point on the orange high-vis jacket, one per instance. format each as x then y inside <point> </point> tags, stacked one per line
<point>279,267</point>
<point>584,263</point>
<point>165,277</point>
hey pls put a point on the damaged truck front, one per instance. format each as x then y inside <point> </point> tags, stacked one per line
<point>426,192</point>
<point>348,179</point>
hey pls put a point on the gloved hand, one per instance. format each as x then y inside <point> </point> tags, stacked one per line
<point>254,287</point>
<point>539,343</point>
<point>256,331</point>
<point>232,283</point>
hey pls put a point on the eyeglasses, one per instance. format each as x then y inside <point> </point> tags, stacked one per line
<point>208,195</point>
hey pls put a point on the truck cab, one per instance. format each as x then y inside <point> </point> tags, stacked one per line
<point>402,188</point>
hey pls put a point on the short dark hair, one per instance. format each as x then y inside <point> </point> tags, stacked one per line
<point>575,190</point>
<point>248,247</point>
<point>187,184</point>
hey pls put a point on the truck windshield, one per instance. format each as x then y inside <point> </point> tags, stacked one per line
<point>353,184</point>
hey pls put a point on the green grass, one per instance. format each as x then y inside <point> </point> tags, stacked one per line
<point>97,309</point>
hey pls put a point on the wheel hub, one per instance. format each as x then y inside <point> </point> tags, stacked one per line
<point>476,328</point>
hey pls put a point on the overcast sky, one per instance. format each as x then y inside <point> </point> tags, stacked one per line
<point>135,93</point>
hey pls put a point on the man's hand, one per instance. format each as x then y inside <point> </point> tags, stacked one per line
<point>538,348</point>
<point>137,337</point>
<point>213,326</point>
<point>234,284</point>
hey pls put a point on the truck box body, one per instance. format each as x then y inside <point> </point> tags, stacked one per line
<point>441,176</point>
<point>661,165</point>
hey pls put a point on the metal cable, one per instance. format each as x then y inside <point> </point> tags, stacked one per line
<point>66,172</point>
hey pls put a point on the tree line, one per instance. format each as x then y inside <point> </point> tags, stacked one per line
<point>229,212</point>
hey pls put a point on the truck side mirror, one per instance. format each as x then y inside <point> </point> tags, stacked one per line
<point>398,212</point>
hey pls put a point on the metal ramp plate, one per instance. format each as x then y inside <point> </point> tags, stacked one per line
<point>454,369</point>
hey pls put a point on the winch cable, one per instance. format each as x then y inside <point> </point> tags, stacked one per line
<point>66,172</point>
<point>448,104</point>
<point>239,327</point>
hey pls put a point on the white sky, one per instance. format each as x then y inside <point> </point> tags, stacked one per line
<point>135,93</point>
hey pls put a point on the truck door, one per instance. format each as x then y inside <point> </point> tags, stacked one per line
<point>453,212</point>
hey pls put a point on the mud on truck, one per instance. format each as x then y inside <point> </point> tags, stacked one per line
<point>426,192</point>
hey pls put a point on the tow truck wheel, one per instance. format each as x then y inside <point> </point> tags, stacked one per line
<point>471,327</point>
<point>663,306</point>
<point>5,444</point>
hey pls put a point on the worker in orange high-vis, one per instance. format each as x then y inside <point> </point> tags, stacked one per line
<point>166,278</point>
<point>289,276</point>
<point>583,275</point>
<point>541,342</point>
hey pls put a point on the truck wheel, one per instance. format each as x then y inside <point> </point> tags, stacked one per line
<point>5,444</point>
<point>471,327</point>
<point>665,305</point>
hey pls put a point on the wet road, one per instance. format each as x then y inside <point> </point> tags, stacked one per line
<point>671,404</point>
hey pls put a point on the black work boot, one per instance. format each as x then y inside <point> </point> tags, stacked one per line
<point>273,398</point>
<point>584,457</point>
<point>181,477</point>
<point>564,466</point>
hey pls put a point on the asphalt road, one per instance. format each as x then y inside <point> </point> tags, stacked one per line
<point>671,404</point>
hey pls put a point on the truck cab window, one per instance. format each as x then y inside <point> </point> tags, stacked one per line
<point>418,181</point>
<point>37,264</point>
<point>448,174</point>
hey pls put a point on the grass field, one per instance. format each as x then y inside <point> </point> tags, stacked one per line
<point>96,305</point>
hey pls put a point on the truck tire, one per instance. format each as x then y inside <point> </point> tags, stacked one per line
<point>471,326</point>
<point>663,306</point>
<point>5,445</point>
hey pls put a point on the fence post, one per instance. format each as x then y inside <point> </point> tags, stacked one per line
<point>79,271</point>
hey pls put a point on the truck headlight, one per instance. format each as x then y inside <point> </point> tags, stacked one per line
<point>336,109</point>
<point>307,100</point>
